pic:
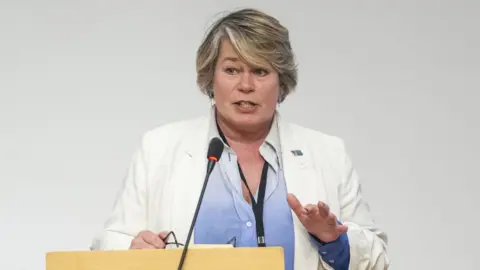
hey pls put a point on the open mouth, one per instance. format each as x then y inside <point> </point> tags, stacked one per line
<point>245,104</point>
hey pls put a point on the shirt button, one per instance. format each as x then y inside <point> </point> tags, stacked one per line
<point>249,224</point>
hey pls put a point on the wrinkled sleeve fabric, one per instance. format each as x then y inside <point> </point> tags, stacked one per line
<point>336,254</point>
<point>128,216</point>
<point>367,243</point>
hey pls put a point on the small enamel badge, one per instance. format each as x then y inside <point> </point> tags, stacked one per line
<point>297,153</point>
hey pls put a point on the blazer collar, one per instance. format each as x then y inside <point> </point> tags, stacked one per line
<point>290,147</point>
<point>197,143</point>
<point>293,151</point>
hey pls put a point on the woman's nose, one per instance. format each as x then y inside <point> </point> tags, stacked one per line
<point>246,82</point>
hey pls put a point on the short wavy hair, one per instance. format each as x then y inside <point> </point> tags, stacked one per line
<point>258,38</point>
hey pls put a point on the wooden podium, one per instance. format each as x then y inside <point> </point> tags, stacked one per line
<point>212,258</point>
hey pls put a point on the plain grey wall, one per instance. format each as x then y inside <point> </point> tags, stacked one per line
<point>81,81</point>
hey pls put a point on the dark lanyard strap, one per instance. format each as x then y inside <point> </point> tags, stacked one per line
<point>257,206</point>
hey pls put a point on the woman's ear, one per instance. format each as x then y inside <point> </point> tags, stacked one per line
<point>280,95</point>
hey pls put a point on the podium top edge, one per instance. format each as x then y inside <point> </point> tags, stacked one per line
<point>201,249</point>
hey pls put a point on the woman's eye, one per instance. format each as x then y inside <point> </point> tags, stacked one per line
<point>231,70</point>
<point>260,72</point>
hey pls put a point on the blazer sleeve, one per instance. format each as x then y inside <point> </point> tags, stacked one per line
<point>368,243</point>
<point>129,214</point>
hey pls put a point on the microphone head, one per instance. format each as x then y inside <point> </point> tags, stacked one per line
<point>215,149</point>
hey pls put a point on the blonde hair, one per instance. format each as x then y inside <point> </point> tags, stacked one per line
<point>259,39</point>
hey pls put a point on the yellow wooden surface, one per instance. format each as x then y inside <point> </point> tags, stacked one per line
<point>270,258</point>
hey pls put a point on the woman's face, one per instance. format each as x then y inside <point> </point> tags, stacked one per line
<point>245,96</point>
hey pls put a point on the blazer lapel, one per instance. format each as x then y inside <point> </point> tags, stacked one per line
<point>302,181</point>
<point>299,172</point>
<point>189,177</point>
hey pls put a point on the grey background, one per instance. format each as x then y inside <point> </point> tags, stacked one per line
<point>81,81</point>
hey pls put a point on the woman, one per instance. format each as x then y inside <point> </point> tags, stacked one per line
<point>312,205</point>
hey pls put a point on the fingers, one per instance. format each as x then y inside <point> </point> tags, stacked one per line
<point>153,239</point>
<point>320,210</point>
<point>139,243</point>
<point>311,209</point>
<point>163,235</point>
<point>323,209</point>
<point>341,229</point>
<point>296,206</point>
<point>147,240</point>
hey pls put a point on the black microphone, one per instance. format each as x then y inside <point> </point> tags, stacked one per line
<point>214,153</point>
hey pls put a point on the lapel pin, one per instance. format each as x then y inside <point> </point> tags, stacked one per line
<point>297,153</point>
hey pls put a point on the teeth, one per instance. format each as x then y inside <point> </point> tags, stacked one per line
<point>245,104</point>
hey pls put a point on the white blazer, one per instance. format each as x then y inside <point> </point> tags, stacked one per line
<point>166,174</point>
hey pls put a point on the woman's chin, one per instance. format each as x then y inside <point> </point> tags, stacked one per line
<point>248,123</point>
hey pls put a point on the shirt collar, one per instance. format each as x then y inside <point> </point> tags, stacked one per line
<point>271,141</point>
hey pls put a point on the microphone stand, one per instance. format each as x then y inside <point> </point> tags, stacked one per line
<point>211,164</point>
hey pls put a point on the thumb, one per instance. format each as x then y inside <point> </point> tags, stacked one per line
<point>342,229</point>
<point>163,235</point>
<point>295,204</point>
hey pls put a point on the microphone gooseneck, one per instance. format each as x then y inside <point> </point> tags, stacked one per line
<point>214,153</point>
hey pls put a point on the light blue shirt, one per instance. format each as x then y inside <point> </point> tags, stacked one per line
<point>225,215</point>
